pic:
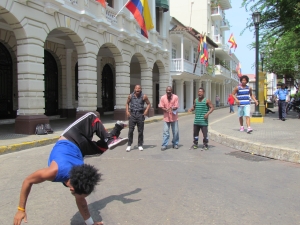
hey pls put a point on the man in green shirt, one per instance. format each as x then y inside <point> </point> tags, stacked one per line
<point>203,107</point>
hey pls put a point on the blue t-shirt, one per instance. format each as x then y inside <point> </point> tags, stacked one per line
<point>66,154</point>
<point>281,93</point>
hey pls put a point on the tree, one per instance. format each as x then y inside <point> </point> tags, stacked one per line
<point>278,17</point>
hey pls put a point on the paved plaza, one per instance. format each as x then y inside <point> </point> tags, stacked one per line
<point>218,186</point>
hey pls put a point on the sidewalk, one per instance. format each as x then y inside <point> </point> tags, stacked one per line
<point>274,138</point>
<point>10,142</point>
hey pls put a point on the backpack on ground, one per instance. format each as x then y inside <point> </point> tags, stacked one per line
<point>40,129</point>
<point>48,128</point>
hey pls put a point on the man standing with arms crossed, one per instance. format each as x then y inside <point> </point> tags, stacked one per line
<point>136,115</point>
<point>203,107</point>
<point>281,93</point>
<point>169,104</point>
<point>242,94</point>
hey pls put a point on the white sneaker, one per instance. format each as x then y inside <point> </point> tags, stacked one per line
<point>128,149</point>
<point>117,142</point>
<point>141,148</point>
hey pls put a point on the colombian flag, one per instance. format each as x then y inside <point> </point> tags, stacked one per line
<point>232,41</point>
<point>204,56</point>
<point>141,12</point>
<point>103,3</point>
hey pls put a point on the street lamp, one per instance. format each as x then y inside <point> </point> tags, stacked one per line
<point>256,20</point>
<point>262,56</point>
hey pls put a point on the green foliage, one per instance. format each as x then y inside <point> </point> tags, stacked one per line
<point>279,34</point>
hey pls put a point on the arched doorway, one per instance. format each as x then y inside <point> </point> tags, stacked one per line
<point>107,83</point>
<point>6,84</point>
<point>51,85</point>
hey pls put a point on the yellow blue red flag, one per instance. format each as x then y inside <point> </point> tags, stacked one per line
<point>204,56</point>
<point>141,12</point>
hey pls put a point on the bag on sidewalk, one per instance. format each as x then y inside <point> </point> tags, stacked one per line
<point>48,128</point>
<point>40,129</point>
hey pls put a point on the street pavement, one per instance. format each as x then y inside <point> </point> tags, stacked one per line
<point>218,186</point>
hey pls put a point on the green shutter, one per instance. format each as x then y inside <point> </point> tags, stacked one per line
<point>162,4</point>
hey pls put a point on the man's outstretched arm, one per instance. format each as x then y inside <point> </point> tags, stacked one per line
<point>37,177</point>
<point>84,210</point>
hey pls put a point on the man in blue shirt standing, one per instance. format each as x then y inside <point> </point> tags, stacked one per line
<point>281,94</point>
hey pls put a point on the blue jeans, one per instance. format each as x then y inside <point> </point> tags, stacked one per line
<point>166,134</point>
<point>231,108</point>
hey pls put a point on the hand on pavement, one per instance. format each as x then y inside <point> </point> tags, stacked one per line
<point>19,217</point>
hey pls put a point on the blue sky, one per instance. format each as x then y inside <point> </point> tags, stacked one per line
<point>237,18</point>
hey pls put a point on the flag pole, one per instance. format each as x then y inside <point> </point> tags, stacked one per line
<point>197,56</point>
<point>191,13</point>
<point>121,9</point>
<point>196,62</point>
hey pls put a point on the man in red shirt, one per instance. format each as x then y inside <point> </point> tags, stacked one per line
<point>230,100</point>
<point>169,104</point>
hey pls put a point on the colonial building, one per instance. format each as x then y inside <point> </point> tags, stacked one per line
<point>207,17</point>
<point>67,57</point>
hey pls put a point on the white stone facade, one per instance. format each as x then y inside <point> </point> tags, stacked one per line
<point>82,37</point>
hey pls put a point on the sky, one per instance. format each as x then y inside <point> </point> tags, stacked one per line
<point>237,18</point>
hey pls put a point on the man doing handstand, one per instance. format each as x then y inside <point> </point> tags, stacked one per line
<point>66,163</point>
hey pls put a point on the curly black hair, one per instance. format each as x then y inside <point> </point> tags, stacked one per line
<point>84,178</point>
<point>244,77</point>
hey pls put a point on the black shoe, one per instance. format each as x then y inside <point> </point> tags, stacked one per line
<point>195,146</point>
<point>283,119</point>
<point>205,147</point>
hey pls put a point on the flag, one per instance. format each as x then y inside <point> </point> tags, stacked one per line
<point>200,45</point>
<point>141,12</point>
<point>239,69</point>
<point>103,2</point>
<point>232,41</point>
<point>204,56</point>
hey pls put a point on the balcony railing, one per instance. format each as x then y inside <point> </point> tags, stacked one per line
<point>224,24</point>
<point>159,41</point>
<point>221,70</point>
<point>217,12</point>
<point>110,14</point>
<point>218,38</point>
<point>176,66</point>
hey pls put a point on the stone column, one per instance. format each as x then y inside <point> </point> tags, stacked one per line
<point>99,84</point>
<point>213,93</point>
<point>147,86</point>
<point>224,94</point>
<point>179,93</point>
<point>87,83</point>
<point>164,82</point>
<point>31,87</point>
<point>68,106</point>
<point>189,94</point>
<point>206,88</point>
<point>198,85</point>
<point>182,53</point>
<point>122,89</point>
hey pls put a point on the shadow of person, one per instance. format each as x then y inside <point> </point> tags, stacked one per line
<point>98,205</point>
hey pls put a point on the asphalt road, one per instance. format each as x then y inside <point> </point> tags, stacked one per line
<point>218,186</point>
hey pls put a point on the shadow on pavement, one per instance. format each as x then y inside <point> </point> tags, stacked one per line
<point>101,204</point>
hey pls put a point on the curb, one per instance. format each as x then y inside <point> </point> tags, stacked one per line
<point>256,148</point>
<point>4,149</point>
